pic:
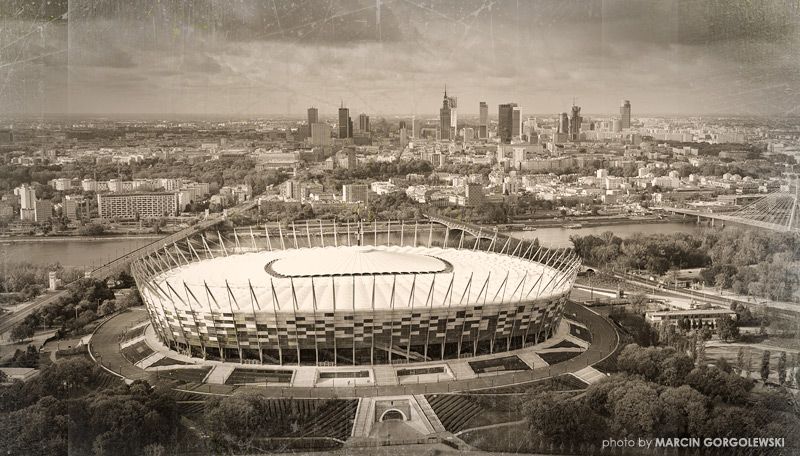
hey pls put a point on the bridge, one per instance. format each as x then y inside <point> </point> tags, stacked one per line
<point>120,263</point>
<point>453,224</point>
<point>776,211</point>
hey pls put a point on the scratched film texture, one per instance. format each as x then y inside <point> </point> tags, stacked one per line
<point>247,58</point>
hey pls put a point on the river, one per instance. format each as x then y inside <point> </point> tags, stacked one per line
<point>92,253</point>
<point>559,237</point>
<point>81,253</point>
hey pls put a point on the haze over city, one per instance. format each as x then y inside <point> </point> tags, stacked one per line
<point>248,58</point>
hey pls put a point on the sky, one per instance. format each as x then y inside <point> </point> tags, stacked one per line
<point>246,58</point>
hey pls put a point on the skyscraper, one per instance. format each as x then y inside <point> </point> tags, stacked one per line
<point>313,116</point>
<point>403,134</point>
<point>516,122</point>
<point>625,114</point>
<point>505,122</point>
<point>483,123</point>
<point>363,122</point>
<point>575,124</point>
<point>345,123</point>
<point>563,123</point>
<point>448,118</point>
<point>320,134</point>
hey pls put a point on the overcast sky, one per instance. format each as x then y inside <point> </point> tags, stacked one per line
<point>385,57</point>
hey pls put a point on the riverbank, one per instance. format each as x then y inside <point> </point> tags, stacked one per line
<point>595,221</point>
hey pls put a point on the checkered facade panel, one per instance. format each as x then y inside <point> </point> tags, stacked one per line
<point>342,328</point>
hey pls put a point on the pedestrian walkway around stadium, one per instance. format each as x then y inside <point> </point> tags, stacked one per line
<point>126,346</point>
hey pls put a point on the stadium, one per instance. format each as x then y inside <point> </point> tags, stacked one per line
<point>356,295</point>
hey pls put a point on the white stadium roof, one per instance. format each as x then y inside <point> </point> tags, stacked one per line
<point>357,278</point>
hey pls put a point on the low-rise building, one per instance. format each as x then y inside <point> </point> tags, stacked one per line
<point>694,318</point>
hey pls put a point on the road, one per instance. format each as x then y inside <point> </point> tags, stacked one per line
<point>7,321</point>
<point>104,345</point>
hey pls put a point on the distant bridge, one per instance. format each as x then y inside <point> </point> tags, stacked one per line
<point>776,211</point>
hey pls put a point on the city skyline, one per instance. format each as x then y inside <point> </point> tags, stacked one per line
<point>392,58</point>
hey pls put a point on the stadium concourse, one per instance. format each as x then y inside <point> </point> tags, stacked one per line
<point>127,346</point>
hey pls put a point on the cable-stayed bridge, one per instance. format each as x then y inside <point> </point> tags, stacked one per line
<point>777,211</point>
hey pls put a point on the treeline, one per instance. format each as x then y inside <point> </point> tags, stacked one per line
<point>661,394</point>
<point>218,173</point>
<point>28,280</point>
<point>332,181</point>
<point>747,261</point>
<point>754,262</point>
<point>483,213</point>
<point>391,206</point>
<point>86,300</point>
<point>656,253</point>
<point>60,412</point>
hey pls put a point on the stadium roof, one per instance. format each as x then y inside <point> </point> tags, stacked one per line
<point>357,278</point>
<point>355,261</point>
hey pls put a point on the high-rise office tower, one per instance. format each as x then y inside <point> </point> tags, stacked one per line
<point>313,116</point>
<point>563,123</point>
<point>448,118</point>
<point>345,123</point>
<point>529,129</point>
<point>505,122</point>
<point>403,133</point>
<point>575,124</point>
<point>320,134</point>
<point>625,114</point>
<point>363,122</point>
<point>483,123</point>
<point>416,127</point>
<point>516,122</point>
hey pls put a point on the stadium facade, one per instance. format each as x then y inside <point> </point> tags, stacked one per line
<point>353,295</point>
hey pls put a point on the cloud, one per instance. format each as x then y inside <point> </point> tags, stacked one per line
<point>253,56</point>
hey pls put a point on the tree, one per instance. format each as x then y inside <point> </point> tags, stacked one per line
<point>107,307</point>
<point>242,416</point>
<point>22,331</point>
<point>638,302</point>
<point>782,368</point>
<point>727,328</point>
<point>555,417</point>
<point>765,366</point>
<point>671,278</point>
<point>685,412</point>
<point>748,367</point>
<point>720,280</point>
<point>740,360</point>
<point>26,358</point>
<point>701,352</point>
<point>636,409</point>
<point>718,384</point>
<point>797,376</point>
